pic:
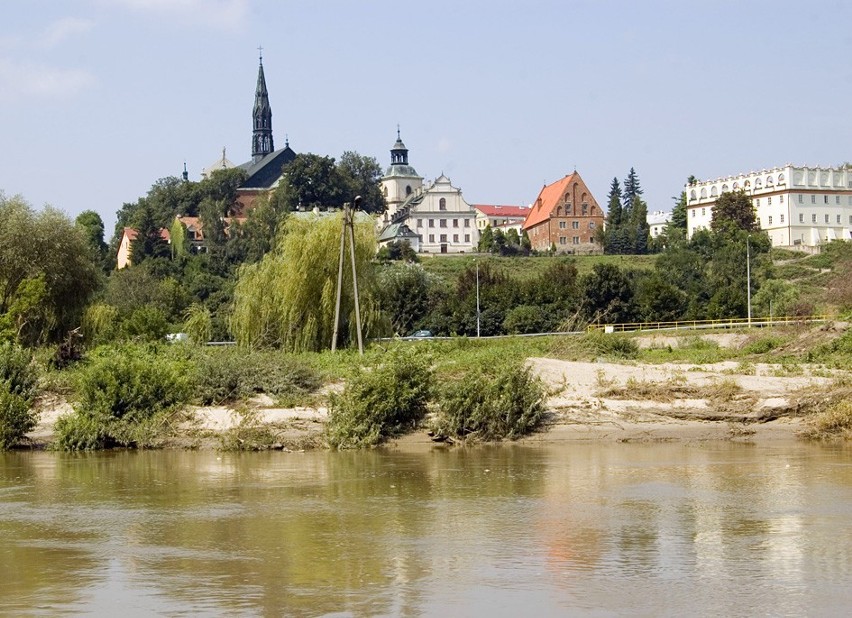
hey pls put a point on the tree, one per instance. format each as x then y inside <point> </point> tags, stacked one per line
<point>638,227</point>
<point>486,240</point>
<point>734,210</point>
<point>632,190</point>
<point>613,216</point>
<point>149,241</point>
<point>46,270</point>
<point>92,227</point>
<point>607,295</point>
<point>362,176</point>
<point>403,293</point>
<point>311,181</point>
<point>287,299</point>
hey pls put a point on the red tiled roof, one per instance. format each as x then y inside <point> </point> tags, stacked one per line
<point>502,211</point>
<point>132,234</point>
<point>546,201</point>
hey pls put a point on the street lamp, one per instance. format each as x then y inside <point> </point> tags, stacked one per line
<point>748,277</point>
<point>477,298</point>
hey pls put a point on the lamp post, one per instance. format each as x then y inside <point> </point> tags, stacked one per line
<point>748,277</point>
<point>477,299</point>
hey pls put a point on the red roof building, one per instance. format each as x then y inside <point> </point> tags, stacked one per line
<point>500,216</point>
<point>565,215</point>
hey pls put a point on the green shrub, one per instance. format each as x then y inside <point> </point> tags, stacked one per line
<point>763,345</point>
<point>609,344</point>
<point>833,424</point>
<point>381,401</point>
<point>18,379</point>
<point>231,374</point>
<point>125,395</point>
<point>499,402</point>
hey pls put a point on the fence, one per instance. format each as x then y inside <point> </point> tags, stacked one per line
<point>710,324</point>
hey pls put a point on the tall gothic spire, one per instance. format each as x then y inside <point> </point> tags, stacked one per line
<point>261,140</point>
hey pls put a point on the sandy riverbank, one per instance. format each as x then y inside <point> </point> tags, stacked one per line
<point>587,401</point>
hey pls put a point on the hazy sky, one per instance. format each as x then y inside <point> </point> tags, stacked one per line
<point>100,98</point>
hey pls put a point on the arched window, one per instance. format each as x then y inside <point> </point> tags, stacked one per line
<point>407,190</point>
<point>714,192</point>
<point>724,188</point>
<point>703,193</point>
<point>385,191</point>
<point>736,186</point>
<point>758,183</point>
<point>769,181</point>
<point>559,211</point>
<point>442,204</point>
<point>692,194</point>
<point>780,178</point>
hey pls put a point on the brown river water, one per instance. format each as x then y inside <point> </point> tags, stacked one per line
<point>713,529</point>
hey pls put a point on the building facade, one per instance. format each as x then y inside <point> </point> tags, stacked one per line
<point>504,218</point>
<point>565,215</point>
<point>657,222</point>
<point>799,207</point>
<point>400,181</point>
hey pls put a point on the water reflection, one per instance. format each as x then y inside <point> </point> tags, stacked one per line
<point>652,529</point>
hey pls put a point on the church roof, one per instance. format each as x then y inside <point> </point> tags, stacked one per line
<point>401,171</point>
<point>266,172</point>
<point>396,230</point>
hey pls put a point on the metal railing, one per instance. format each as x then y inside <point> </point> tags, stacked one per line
<point>710,324</point>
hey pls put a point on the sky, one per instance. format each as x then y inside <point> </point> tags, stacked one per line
<point>100,98</point>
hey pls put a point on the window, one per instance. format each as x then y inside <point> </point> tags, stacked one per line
<point>585,209</point>
<point>442,204</point>
<point>455,222</point>
<point>782,218</point>
<point>850,219</point>
<point>813,218</point>
<point>575,225</point>
<point>431,238</point>
<point>563,225</point>
<point>408,189</point>
<point>443,238</point>
<point>576,240</point>
<point>591,225</point>
<point>826,218</point>
<point>455,237</point>
<point>563,240</point>
<point>420,223</point>
<point>801,216</point>
<point>702,212</point>
<point>781,198</point>
<point>801,198</point>
<point>757,202</point>
<point>837,199</point>
<point>850,200</point>
<point>431,223</point>
<point>467,237</point>
<point>467,222</point>
<point>813,199</point>
<point>825,199</point>
<point>442,223</point>
<point>769,200</point>
<point>770,219</point>
<point>838,219</point>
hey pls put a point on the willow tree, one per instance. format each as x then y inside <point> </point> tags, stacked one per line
<point>287,299</point>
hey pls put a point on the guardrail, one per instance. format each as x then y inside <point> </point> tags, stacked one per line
<point>710,324</point>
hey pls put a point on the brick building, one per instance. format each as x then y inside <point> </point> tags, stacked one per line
<point>565,215</point>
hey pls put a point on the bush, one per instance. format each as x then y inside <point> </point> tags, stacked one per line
<point>833,424</point>
<point>609,344</point>
<point>491,403</point>
<point>125,395</point>
<point>763,345</point>
<point>230,374</point>
<point>18,378</point>
<point>382,401</point>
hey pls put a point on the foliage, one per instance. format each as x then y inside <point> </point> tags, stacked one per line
<point>607,296</point>
<point>362,176</point>
<point>398,250</point>
<point>91,226</point>
<point>232,374</point>
<point>775,298</point>
<point>491,402</point>
<point>198,324</point>
<point>734,210</point>
<point>382,401</point>
<point>312,181</point>
<point>403,293</point>
<point>46,272</point>
<point>526,319</point>
<point>149,241</point>
<point>627,229</point>
<point>287,299</point>
<point>18,380</point>
<point>125,393</point>
<point>832,424</point>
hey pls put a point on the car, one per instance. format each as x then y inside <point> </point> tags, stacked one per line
<point>421,334</point>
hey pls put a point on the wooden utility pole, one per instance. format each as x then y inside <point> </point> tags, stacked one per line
<point>348,223</point>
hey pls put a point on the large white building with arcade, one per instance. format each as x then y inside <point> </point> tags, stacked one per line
<point>799,207</point>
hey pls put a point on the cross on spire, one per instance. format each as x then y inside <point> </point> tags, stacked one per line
<point>260,53</point>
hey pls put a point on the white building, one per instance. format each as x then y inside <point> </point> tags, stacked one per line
<point>437,212</point>
<point>500,217</point>
<point>657,222</point>
<point>797,206</point>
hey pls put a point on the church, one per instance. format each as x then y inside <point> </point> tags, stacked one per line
<point>264,170</point>
<point>433,218</point>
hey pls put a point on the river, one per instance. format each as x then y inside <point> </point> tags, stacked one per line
<point>717,528</point>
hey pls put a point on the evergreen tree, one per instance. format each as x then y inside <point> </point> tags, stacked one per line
<point>149,242</point>
<point>638,226</point>
<point>613,217</point>
<point>631,191</point>
<point>486,240</point>
<point>734,211</point>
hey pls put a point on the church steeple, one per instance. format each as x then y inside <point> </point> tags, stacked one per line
<point>399,153</point>
<point>261,141</point>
